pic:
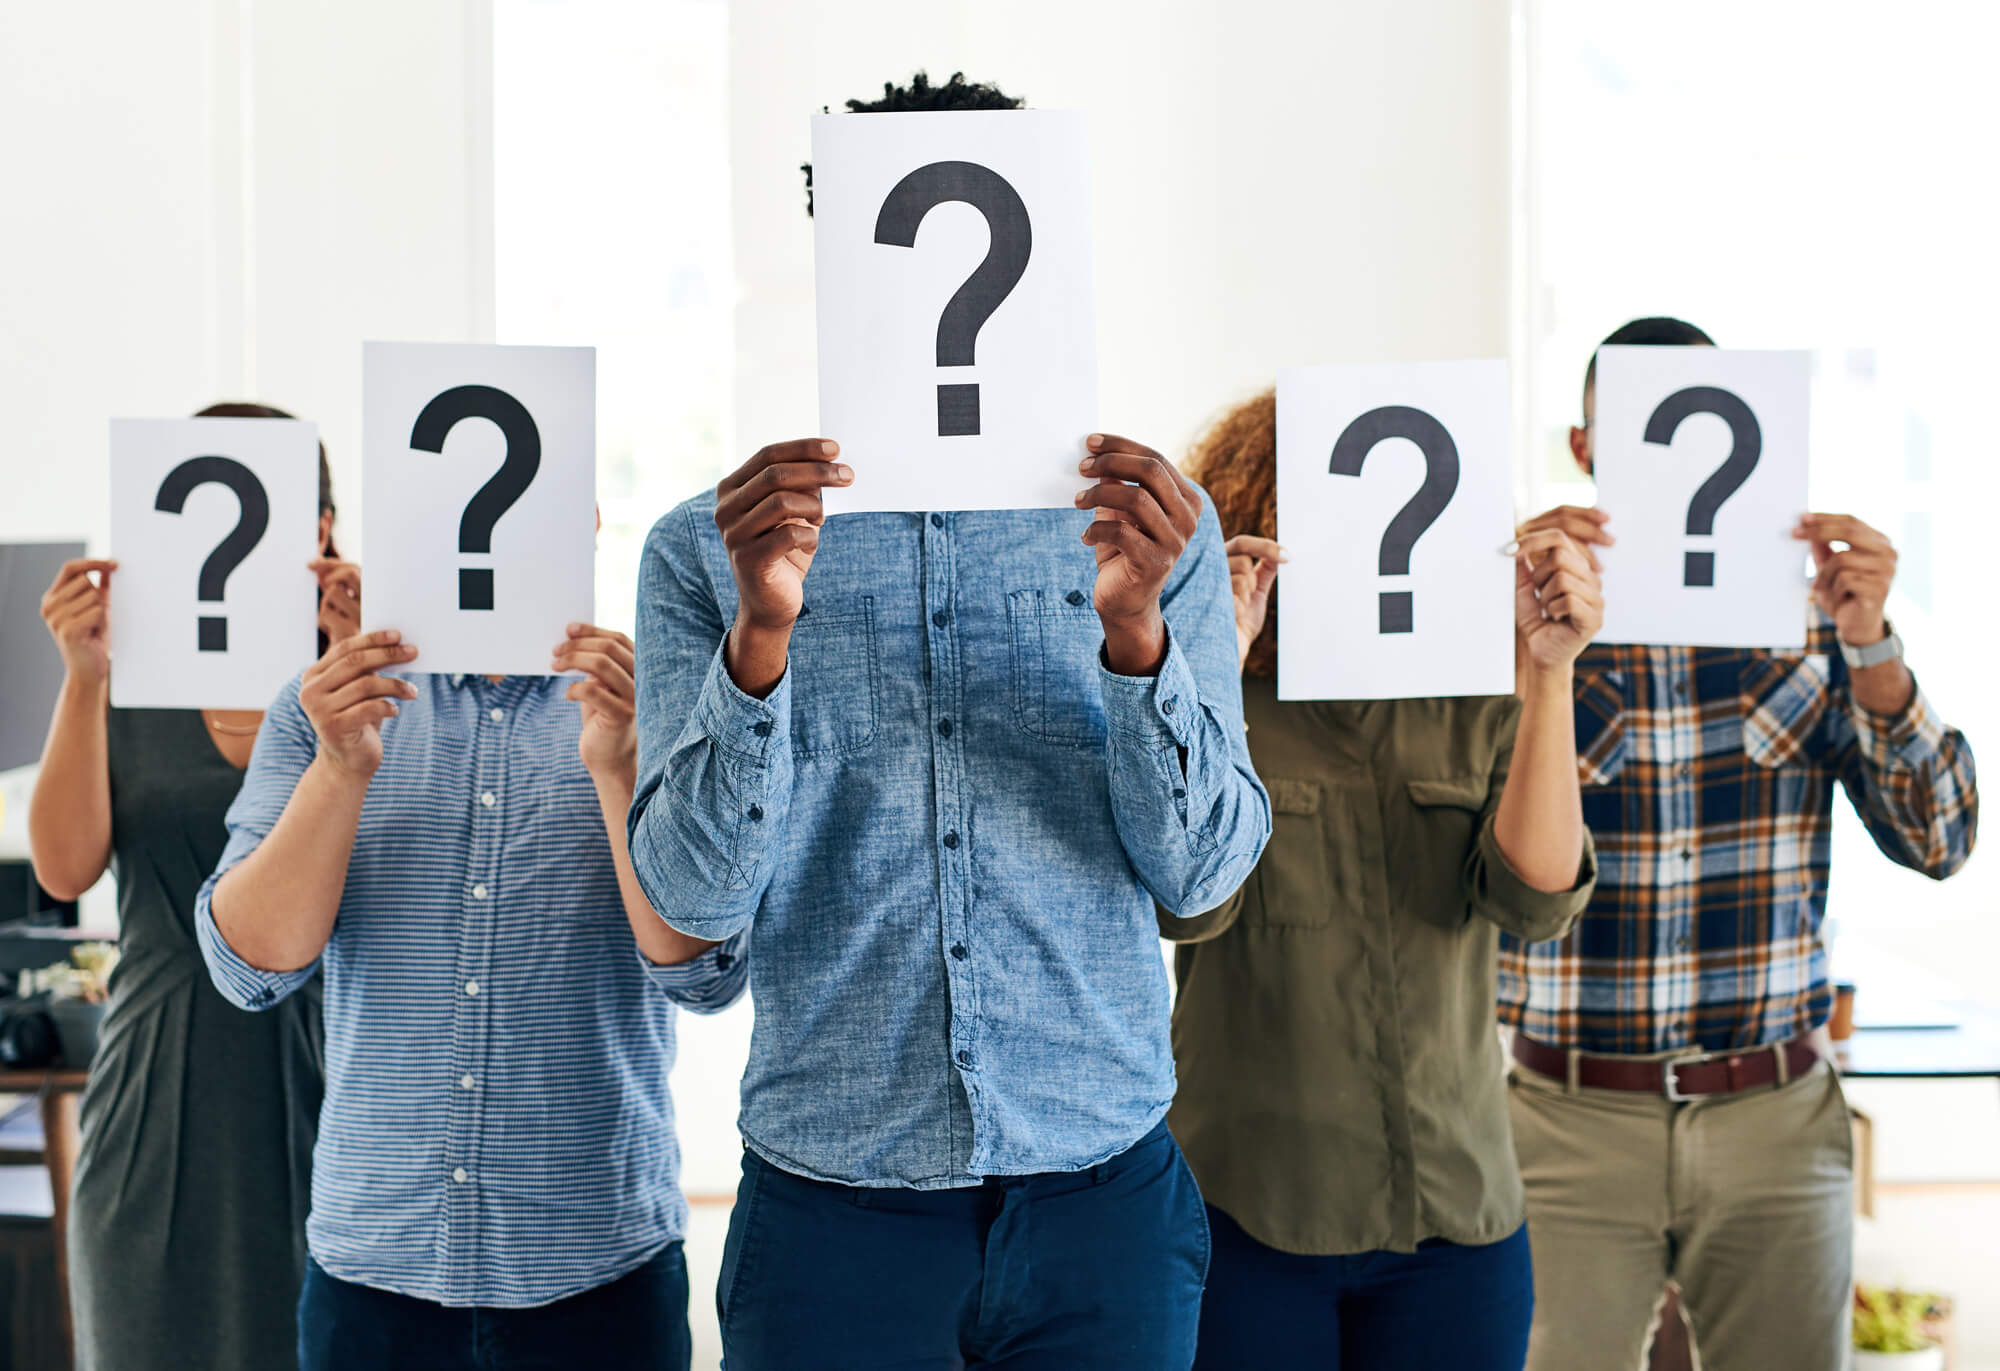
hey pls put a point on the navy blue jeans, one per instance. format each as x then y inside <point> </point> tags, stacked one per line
<point>1097,1269</point>
<point>635,1323</point>
<point>1440,1308</point>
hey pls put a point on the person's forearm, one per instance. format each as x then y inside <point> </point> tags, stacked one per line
<point>658,943</point>
<point>69,817</point>
<point>1136,646</point>
<point>276,907</point>
<point>1884,690</point>
<point>1539,825</point>
<point>756,656</point>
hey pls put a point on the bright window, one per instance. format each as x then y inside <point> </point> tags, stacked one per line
<point>1795,173</point>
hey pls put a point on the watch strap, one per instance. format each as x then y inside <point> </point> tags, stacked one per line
<point>1874,654</point>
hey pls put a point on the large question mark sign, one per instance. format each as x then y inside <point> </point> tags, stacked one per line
<point>502,489</point>
<point>916,195</point>
<point>1747,444</point>
<point>1351,449</point>
<point>253,517</point>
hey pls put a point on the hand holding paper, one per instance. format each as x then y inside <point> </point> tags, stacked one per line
<point>1146,512</point>
<point>770,512</point>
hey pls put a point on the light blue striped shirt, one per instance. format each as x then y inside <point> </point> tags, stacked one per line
<point>497,1128</point>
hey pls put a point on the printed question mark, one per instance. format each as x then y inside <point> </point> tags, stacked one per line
<point>497,496</point>
<point>253,517</point>
<point>916,195</point>
<point>1746,445</point>
<point>1351,449</point>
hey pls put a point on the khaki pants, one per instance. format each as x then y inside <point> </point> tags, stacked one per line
<point>1745,1200</point>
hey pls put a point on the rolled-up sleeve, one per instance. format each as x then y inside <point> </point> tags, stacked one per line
<point>1912,781</point>
<point>1190,812</point>
<point>711,982</point>
<point>715,765</point>
<point>285,748</point>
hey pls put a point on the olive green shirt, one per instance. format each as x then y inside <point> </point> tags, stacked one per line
<point>1341,1082</point>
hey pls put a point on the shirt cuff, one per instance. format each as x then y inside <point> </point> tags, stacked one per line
<point>743,726</point>
<point>243,985</point>
<point>1907,741</point>
<point>1153,708</point>
<point>710,982</point>
<point>1535,913</point>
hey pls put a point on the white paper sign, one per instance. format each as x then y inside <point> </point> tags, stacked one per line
<point>957,324</point>
<point>480,479</point>
<point>1700,458</point>
<point>213,522</point>
<point>1394,502</point>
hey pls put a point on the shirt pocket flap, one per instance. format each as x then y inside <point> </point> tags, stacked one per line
<point>1292,796</point>
<point>1459,792</point>
<point>1784,702</point>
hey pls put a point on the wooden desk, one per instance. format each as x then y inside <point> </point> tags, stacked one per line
<point>57,1088</point>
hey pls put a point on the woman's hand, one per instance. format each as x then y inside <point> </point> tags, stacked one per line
<point>610,742</point>
<point>78,613</point>
<point>1558,599</point>
<point>346,697</point>
<point>339,597</point>
<point>1253,567</point>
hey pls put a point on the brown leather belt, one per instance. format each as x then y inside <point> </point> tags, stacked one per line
<point>1677,1078</point>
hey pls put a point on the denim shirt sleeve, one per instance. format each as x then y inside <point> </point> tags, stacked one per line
<point>1189,809</point>
<point>715,765</point>
<point>284,749</point>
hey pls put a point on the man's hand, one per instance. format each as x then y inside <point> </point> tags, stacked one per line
<point>347,699</point>
<point>78,613</point>
<point>339,597</point>
<point>770,514</point>
<point>1253,568</point>
<point>1852,584</point>
<point>1558,600</point>
<point>1146,512</point>
<point>610,742</point>
<point>1585,527</point>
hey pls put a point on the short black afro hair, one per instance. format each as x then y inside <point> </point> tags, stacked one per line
<point>955,94</point>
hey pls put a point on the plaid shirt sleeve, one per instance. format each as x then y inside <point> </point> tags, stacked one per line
<point>1911,779</point>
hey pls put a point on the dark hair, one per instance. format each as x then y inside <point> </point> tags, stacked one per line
<point>920,94</point>
<point>235,409</point>
<point>1656,330</point>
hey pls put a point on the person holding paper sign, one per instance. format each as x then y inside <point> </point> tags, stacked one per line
<point>940,766</point>
<point>1674,1107</point>
<point>1341,1096</point>
<point>186,1221</point>
<point>496,1179</point>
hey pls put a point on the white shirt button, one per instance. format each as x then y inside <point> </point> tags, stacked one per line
<point>479,892</point>
<point>465,1081</point>
<point>486,798</point>
<point>497,715</point>
<point>458,1174</point>
<point>472,987</point>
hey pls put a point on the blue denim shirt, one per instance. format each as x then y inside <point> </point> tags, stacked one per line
<point>946,829</point>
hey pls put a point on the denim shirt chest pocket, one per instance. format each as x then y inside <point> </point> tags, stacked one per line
<point>1054,636</point>
<point>835,674</point>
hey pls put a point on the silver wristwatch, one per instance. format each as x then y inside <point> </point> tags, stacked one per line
<point>1888,650</point>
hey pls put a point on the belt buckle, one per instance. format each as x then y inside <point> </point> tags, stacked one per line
<point>1669,1079</point>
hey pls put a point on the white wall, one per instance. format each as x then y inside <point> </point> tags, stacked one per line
<point>1274,182</point>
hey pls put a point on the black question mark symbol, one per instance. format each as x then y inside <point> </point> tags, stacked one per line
<point>1351,449</point>
<point>253,517</point>
<point>502,489</point>
<point>1746,446</point>
<point>916,195</point>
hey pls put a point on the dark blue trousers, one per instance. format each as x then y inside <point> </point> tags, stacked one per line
<point>635,1323</point>
<point>1440,1308</point>
<point>1095,1270</point>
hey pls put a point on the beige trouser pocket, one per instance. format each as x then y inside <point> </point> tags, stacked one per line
<point>1745,1200</point>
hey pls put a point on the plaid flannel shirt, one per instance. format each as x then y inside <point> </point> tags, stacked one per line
<point>1708,777</point>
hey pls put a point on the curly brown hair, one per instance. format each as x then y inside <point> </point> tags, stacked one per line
<point>1236,462</point>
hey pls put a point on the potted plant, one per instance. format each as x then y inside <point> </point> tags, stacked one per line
<point>1892,1331</point>
<point>77,991</point>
